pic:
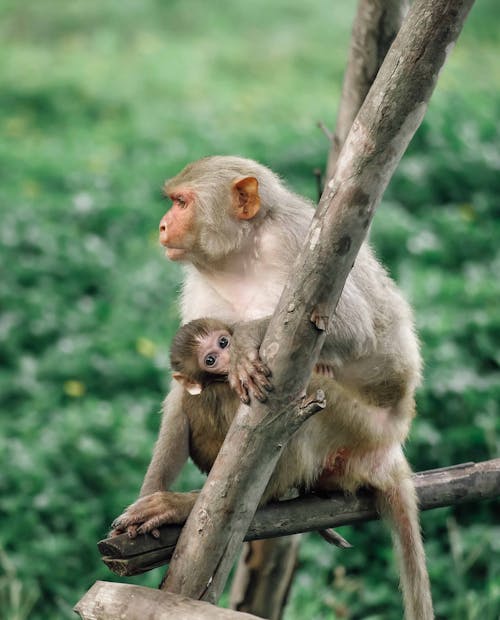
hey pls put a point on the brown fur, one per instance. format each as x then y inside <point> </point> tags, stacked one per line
<point>209,414</point>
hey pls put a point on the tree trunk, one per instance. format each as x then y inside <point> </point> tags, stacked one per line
<point>375,26</point>
<point>264,576</point>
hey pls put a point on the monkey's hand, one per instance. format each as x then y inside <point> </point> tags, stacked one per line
<point>150,512</point>
<point>248,374</point>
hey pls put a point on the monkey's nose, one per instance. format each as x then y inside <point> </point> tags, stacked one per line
<point>163,231</point>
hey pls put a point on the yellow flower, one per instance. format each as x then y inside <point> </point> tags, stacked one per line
<point>468,212</point>
<point>73,388</point>
<point>31,189</point>
<point>145,347</point>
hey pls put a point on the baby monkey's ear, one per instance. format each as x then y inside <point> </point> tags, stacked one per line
<point>190,386</point>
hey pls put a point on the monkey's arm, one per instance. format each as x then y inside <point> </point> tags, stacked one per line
<point>171,450</point>
<point>156,505</point>
<point>248,374</point>
<point>370,348</point>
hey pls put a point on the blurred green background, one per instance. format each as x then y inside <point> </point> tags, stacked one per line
<point>100,101</point>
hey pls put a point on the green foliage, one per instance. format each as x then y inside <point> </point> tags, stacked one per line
<point>101,101</point>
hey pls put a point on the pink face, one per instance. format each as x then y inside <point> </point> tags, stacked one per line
<point>213,352</point>
<point>177,226</point>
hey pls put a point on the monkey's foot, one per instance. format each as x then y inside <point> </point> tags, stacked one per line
<point>150,512</point>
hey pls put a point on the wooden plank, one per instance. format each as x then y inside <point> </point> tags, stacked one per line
<point>109,601</point>
<point>467,482</point>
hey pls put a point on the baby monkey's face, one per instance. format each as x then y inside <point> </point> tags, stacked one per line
<point>213,352</point>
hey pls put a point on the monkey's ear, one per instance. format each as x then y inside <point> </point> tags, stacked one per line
<point>246,199</point>
<point>191,387</point>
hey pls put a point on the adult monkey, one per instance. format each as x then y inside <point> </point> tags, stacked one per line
<point>239,229</point>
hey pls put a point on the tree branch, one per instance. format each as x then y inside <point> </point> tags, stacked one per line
<point>375,26</point>
<point>385,124</point>
<point>468,482</point>
<point>106,601</point>
<point>262,589</point>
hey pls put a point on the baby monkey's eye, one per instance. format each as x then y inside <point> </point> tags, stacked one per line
<point>210,360</point>
<point>223,342</point>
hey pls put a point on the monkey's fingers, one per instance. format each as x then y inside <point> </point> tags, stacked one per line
<point>132,531</point>
<point>151,525</point>
<point>260,367</point>
<point>325,370</point>
<point>238,386</point>
<point>252,385</point>
<point>138,512</point>
<point>258,372</point>
<point>117,527</point>
<point>126,520</point>
<point>261,375</point>
<point>257,364</point>
<point>259,393</point>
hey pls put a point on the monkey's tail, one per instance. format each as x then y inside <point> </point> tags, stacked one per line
<point>398,504</point>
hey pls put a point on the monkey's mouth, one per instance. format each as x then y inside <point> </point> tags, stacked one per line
<point>175,253</point>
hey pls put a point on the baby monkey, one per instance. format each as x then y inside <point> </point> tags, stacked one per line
<point>200,357</point>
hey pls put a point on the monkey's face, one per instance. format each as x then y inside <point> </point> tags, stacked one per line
<point>213,352</point>
<point>214,206</point>
<point>177,226</point>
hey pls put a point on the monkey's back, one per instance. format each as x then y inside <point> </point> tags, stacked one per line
<point>210,414</point>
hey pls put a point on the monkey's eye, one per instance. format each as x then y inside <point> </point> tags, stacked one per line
<point>180,201</point>
<point>223,342</point>
<point>210,360</point>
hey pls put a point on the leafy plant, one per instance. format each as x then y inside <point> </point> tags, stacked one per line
<point>100,101</point>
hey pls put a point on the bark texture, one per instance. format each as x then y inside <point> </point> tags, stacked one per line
<point>108,601</point>
<point>264,576</point>
<point>380,134</point>
<point>376,24</point>
<point>375,27</point>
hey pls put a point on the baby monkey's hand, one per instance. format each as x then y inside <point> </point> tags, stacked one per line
<point>248,374</point>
